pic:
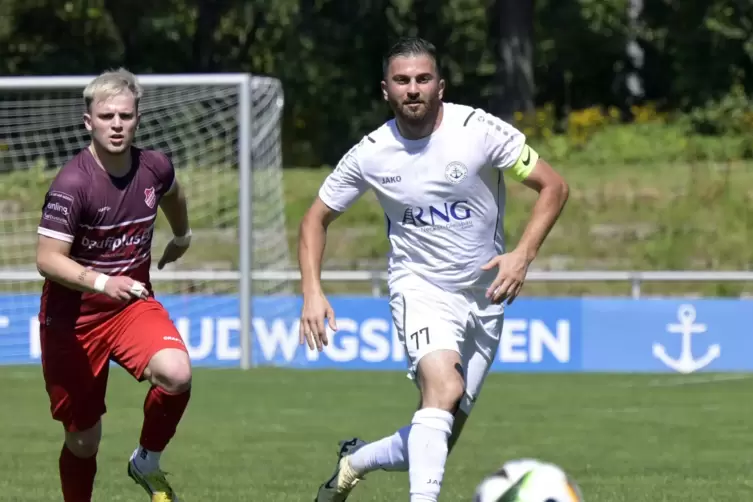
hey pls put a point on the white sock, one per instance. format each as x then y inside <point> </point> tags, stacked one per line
<point>427,450</point>
<point>146,461</point>
<point>390,454</point>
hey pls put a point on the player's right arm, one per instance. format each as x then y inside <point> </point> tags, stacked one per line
<point>54,263</point>
<point>58,226</point>
<point>312,240</point>
<point>338,192</point>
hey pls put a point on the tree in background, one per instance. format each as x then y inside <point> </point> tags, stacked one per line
<point>512,39</point>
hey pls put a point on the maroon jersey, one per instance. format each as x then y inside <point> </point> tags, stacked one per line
<point>109,222</point>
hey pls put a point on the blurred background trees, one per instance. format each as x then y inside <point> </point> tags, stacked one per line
<point>558,67</point>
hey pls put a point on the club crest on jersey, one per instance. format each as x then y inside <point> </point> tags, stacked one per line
<point>455,172</point>
<point>149,197</point>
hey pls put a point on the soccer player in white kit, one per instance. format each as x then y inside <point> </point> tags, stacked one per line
<point>438,170</point>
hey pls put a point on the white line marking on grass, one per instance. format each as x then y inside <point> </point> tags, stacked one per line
<point>696,380</point>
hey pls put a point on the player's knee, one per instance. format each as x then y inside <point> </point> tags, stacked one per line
<point>177,376</point>
<point>171,370</point>
<point>441,380</point>
<point>444,392</point>
<point>84,444</point>
<point>445,395</point>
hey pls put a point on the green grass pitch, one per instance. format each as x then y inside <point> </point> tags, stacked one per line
<point>271,434</point>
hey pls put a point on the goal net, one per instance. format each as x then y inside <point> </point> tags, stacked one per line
<point>227,158</point>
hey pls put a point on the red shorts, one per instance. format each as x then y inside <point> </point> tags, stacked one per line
<point>75,361</point>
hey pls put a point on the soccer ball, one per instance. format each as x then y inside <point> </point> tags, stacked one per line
<point>528,480</point>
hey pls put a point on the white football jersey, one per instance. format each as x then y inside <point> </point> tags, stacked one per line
<point>443,196</point>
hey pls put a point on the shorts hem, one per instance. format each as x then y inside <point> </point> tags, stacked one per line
<point>71,425</point>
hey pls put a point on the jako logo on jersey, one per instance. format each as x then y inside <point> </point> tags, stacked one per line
<point>149,197</point>
<point>114,243</point>
<point>448,215</point>
<point>386,180</point>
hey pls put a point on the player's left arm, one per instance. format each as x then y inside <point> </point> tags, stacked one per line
<point>553,193</point>
<point>174,205</point>
<point>508,151</point>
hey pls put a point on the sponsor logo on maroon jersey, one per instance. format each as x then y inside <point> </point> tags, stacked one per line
<point>150,198</point>
<point>58,207</point>
<point>113,243</point>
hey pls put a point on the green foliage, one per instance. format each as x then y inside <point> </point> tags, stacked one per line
<point>698,48</point>
<point>597,136</point>
<point>328,53</point>
<point>730,115</point>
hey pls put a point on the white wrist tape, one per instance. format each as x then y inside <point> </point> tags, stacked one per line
<point>183,240</point>
<point>100,281</point>
<point>136,289</point>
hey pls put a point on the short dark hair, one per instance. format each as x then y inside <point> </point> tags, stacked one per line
<point>411,46</point>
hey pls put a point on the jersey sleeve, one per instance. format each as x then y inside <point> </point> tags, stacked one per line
<point>63,207</point>
<point>345,184</point>
<point>507,150</point>
<point>165,171</point>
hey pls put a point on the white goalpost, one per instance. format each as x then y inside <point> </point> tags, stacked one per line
<point>223,133</point>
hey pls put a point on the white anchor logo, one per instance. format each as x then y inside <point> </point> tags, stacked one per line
<point>455,172</point>
<point>686,327</point>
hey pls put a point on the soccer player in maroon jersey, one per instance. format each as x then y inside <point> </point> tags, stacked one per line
<point>97,304</point>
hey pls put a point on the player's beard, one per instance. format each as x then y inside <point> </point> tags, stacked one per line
<point>417,114</point>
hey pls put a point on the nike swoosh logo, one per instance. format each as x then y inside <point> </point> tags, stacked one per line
<point>528,158</point>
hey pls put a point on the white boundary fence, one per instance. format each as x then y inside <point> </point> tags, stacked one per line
<point>378,279</point>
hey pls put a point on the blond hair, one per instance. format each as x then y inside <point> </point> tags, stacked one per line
<point>111,83</point>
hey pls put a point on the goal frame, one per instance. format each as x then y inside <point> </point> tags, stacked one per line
<point>245,166</point>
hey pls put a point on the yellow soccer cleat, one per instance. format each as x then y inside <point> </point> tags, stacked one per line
<point>344,479</point>
<point>155,483</point>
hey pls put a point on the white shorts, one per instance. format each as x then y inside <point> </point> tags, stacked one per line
<point>428,318</point>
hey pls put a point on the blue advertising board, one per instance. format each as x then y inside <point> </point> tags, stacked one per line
<point>539,334</point>
<point>668,335</point>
